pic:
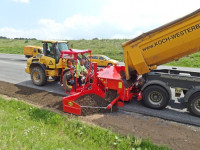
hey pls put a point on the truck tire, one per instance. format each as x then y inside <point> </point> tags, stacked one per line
<point>194,104</point>
<point>38,76</point>
<point>66,78</point>
<point>155,97</point>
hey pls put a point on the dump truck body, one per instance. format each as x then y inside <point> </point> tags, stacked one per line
<point>31,51</point>
<point>162,45</point>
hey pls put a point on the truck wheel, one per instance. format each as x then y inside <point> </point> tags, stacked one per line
<point>38,76</point>
<point>194,104</point>
<point>109,64</point>
<point>155,97</point>
<point>66,81</point>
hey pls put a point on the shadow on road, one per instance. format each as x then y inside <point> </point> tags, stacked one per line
<point>53,87</point>
<point>174,111</point>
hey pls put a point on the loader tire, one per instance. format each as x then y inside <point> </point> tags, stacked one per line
<point>194,104</point>
<point>66,79</point>
<point>155,97</point>
<point>38,76</point>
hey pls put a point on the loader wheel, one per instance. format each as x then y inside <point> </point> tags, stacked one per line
<point>66,79</point>
<point>38,76</point>
<point>155,97</point>
<point>194,104</point>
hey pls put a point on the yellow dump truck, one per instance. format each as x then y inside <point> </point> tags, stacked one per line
<point>169,42</point>
<point>164,44</point>
<point>31,51</point>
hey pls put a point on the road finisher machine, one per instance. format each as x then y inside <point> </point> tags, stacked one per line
<point>140,77</point>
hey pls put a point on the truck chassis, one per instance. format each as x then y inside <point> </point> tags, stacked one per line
<point>157,83</point>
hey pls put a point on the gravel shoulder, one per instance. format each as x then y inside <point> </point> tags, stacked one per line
<point>159,131</point>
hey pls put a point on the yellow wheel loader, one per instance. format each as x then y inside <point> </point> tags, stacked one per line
<point>48,66</point>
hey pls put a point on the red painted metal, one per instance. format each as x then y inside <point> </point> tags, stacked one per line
<point>120,104</point>
<point>103,80</point>
<point>111,78</point>
<point>139,96</point>
<point>113,102</point>
<point>90,88</point>
<point>72,53</point>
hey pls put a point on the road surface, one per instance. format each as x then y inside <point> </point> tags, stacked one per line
<point>12,71</point>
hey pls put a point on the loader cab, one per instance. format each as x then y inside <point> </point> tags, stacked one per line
<point>53,48</point>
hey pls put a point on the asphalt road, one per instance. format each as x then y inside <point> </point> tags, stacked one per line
<point>12,71</point>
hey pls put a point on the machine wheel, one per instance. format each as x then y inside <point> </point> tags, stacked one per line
<point>38,76</point>
<point>194,104</point>
<point>66,78</point>
<point>109,64</point>
<point>155,97</point>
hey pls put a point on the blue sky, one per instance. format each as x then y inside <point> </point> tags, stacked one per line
<point>25,14</point>
<point>78,19</point>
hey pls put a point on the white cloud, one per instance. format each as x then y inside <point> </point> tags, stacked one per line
<point>131,14</point>
<point>118,19</point>
<point>21,1</point>
<point>50,25</point>
<point>80,20</point>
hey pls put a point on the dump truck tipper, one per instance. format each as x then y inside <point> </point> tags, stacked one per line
<point>31,51</point>
<point>162,45</point>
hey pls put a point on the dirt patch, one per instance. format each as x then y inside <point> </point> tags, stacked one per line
<point>161,132</point>
<point>174,135</point>
<point>92,103</point>
<point>51,100</point>
<point>33,96</point>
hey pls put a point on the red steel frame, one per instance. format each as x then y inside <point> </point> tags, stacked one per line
<point>105,79</point>
<point>74,53</point>
<point>91,88</point>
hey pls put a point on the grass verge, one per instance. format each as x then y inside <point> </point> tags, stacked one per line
<point>27,127</point>
<point>111,48</point>
<point>189,61</point>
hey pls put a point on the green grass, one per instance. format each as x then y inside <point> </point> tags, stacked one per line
<point>111,48</point>
<point>26,127</point>
<point>16,46</point>
<point>189,61</point>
